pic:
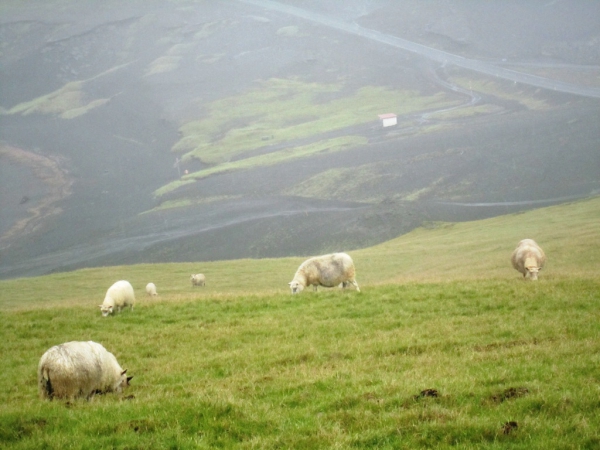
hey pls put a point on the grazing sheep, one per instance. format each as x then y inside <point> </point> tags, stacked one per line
<point>79,369</point>
<point>327,270</point>
<point>118,296</point>
<point>198,279</point>
<point>528,258</point>
<point>151,289</point>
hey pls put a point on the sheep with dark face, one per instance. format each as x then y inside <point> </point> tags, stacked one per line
<point>79,369</point>
<point>528,258</point>
<point>328,270</point>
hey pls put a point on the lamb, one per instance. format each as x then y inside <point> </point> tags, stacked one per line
<point>151,289</point>
<point>79,369</point>
<point>198,279</point>
<point>118,296</point>
<point>328,270</point>
<point>528,258</point>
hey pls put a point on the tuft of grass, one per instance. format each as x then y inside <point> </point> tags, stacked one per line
<point>76,112</point>
<point>291,31</point>
<point>340,183</point>
<point>163,64</point>
<point>173,185</point>
<point>413,196</point>
<point>68,102</point>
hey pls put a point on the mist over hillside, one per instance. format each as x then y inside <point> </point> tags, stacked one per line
<point>156,131</point>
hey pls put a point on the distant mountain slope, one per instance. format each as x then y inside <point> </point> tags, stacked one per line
<point>193,131</point>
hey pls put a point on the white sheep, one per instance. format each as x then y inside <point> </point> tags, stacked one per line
<point>118,296</point>
<point>328,270</point>
<point>528,258</point>
<point>151,289</point>
<point>79,369</point>
<point>198,279</point>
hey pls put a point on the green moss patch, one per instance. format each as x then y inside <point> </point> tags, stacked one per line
<point>287,109</point>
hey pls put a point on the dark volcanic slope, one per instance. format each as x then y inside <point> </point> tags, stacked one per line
<point>99,92</point>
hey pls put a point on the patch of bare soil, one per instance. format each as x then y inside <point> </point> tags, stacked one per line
<point>56,185</point>
<point>509,394</point>
<point>427,393</point>
<point>509,427</point>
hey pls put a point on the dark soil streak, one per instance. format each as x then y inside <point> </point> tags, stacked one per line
<point>57,186</point>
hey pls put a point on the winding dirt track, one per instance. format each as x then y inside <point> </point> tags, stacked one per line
<point>429,52</point>
<point>191,226</point>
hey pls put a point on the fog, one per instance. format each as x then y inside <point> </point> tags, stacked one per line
<point>161,131</point>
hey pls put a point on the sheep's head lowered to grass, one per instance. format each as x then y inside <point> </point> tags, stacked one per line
<point>296,287</point>
<point>328,270</point>
<point>118,296</point>
<point>528,258</point>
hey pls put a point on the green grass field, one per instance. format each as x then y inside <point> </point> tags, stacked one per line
<point>445,346</point>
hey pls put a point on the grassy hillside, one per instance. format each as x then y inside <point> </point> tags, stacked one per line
<point>569,233</point>
<point>445,346</point>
